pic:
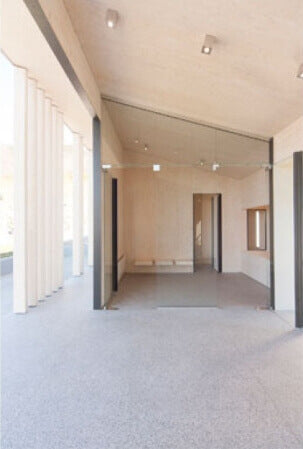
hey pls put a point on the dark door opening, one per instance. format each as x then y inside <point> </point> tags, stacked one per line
<point>207,231</point>
<point>115,233</point>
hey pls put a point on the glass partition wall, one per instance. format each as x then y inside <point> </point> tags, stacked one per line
<point>185,200</point>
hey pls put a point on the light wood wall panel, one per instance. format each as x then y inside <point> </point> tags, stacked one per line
<point>158,213</point>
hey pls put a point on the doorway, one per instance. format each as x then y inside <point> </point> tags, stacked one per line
<point>115,233</point>
<point>207,231</point>
<point>110,237</point>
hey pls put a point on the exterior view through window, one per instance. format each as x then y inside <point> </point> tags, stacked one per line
<point>256,229</point>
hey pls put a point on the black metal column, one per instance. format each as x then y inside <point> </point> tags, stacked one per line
<point>97,211</point>
<point>271,222</point>
<point>298,236</point>
<point>220,262</point>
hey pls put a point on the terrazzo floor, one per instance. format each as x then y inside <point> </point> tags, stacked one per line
<point>204,288</point>
<point>149,378</point>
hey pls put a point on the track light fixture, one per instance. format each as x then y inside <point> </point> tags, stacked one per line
<point>146,147</point>
<point>111,18</point>
<point>300,72</point>
<point>208,44</point>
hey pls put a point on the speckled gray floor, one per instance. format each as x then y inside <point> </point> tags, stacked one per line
<point>171,378</point>
<point>204,288</point>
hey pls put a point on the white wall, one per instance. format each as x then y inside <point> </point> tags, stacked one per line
<point>254,193</point>
<point>286,143</point>
<point>158,214</point>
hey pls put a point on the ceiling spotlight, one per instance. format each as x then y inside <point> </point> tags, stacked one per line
<point>156,167</point>
<point>201,162</point>
<point>111,18</point>
<point>208,44</point>
<point>300,72</point>
<point>136,140</point>
<point>215,166</point>
<point>145,147</point>
<point>106,166</point>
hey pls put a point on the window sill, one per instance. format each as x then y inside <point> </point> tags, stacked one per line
<point>260,253</point>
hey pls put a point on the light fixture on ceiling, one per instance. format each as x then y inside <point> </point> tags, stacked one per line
<point>215,166</point>
<point>208,44</point>
<point>111,18</point>
<point>106,166</point>
<point>201,162</point>
<point>156,167</point>
<point>300,72</point>
<point>146,147</point>
<point>136,140</point>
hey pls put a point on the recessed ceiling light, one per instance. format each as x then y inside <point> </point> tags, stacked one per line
<point>111,18</point>
<point>201,162</point>
<point>156,167</point>
<point>300,72</point>
<point>145,147</point>
<point>208,44</point>
<point>215,166</point>
<point>136,140</point>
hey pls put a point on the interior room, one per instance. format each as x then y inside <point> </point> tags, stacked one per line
<point>159,188</point>
<point>151,216</point>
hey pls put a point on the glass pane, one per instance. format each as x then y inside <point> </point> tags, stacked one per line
<point>172,248</point>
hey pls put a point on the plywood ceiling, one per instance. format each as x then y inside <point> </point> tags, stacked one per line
<point>153,58</point>
<point>173,141</point>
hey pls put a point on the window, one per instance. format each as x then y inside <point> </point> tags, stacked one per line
<point>256,229</point>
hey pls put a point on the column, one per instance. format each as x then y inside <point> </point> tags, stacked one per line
<point>48,193</point>
<point>90,209</point>
<point>298,241</point>
<point>60,200</point>
<point>41,195</point>
<point>32,292</point>
<point>77,205</point>
<point>20,191</point>
<point>54,202</point>
<point>97,218</point>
